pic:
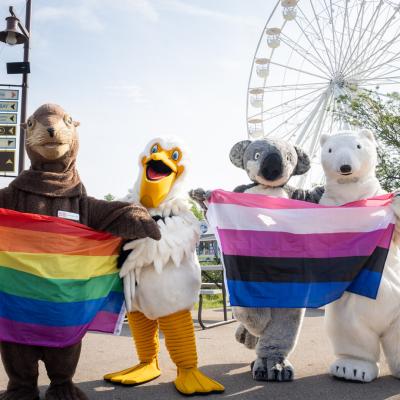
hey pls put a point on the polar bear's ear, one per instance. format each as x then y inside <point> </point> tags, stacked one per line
<point>323,139</point>
<point>237,152</point>
<point>368,134</point>
<point>303,162</point>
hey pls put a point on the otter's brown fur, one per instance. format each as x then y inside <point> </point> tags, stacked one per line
<point>52,184</point>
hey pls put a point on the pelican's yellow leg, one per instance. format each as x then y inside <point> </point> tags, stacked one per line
<point>145,335</point>
<point>178,330</point>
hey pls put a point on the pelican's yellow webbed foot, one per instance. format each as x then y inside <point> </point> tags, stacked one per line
<point>141,373</point>
<point>179,335</point>
<point>191,381</point>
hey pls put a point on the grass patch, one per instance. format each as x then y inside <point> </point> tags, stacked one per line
<point>211,301</point>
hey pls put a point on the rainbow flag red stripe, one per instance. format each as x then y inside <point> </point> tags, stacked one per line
<point>58,279</point>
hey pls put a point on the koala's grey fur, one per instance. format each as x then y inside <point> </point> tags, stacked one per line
<point>272,332</point>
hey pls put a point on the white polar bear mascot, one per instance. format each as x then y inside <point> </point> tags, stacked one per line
<point>357,325</point>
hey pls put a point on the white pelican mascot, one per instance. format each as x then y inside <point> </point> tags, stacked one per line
<point>162,278</point>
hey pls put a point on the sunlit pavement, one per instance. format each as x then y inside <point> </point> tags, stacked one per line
<point>224,359</point>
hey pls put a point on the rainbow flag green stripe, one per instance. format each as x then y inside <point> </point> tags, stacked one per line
<point>19,283</point>
<point>53,298</point>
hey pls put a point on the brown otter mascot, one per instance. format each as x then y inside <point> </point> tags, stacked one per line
<point>50,187</point>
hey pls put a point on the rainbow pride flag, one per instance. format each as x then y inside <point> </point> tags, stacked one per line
<point>292,254</point>
<point>58,279</point>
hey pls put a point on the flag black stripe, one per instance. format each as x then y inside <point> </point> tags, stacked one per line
<point>340,269</point>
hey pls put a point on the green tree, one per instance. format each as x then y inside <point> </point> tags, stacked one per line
<point>196,210</point>
<point>381,114</point>
<point>109,197</point>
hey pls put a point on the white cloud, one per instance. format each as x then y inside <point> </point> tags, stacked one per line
<point>82,15</point>
<point>143,7</point>
<point>85,13</point>
<point>191,9</point>
<point>133,92</point>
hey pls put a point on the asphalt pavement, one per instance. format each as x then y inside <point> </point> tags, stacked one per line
<point>221,357</point>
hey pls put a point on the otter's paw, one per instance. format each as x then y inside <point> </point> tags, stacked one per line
<point>67,391</point>
<point>265,369</point>
<point>192,381</point>
<point>141,373</point>
<point>245,337</point>
<point>354,370</point>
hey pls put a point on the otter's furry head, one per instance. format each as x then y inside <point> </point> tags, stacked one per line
<point>51,139</point>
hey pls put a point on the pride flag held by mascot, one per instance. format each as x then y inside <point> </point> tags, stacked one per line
<point>162,279</point>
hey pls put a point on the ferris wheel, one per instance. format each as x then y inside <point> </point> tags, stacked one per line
<point>312,52</point>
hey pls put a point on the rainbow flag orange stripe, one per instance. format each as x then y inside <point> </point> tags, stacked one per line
<point>58,279</point>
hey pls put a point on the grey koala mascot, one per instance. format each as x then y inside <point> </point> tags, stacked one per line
<point>272,332</point>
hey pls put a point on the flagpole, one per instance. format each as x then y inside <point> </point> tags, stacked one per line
<point>24,96</point>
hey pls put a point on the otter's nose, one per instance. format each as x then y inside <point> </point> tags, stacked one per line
<point>345,169</point>
<point>51,131</point>
<point>272,168</point>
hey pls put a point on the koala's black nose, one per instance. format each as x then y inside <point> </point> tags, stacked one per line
<point>345,169</point>
<point>272,167</point>
<point>51,131</point>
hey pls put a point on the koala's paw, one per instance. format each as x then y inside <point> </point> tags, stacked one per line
<point>354,370</point>
<point>265,369</point>
<point>245,337</point>
<point>396,205</point>
<point>200,195</point>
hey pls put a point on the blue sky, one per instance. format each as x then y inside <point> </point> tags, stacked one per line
<point>130,70</point>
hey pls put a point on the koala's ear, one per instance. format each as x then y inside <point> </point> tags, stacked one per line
<point>76,123</point>
<point>237,152</point>
<point>303,162</point>
<point>367,134</point>
<point>323,139</point>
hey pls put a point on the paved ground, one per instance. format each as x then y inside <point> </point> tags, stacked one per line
<point>221,357</point>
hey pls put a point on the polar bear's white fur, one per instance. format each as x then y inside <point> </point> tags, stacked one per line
<point>357,326</point>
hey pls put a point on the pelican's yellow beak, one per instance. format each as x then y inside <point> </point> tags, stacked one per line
<point>160,170</point>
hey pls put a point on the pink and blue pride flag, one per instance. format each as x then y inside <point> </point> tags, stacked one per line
<point>58,279</point>
<point>289,253</point>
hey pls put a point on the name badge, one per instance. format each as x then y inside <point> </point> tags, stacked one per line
<point>68,215</point>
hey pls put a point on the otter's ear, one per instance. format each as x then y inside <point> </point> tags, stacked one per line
<point>323,139</point>
<point>76,123</point>
<point>367,134</point>
<point>237,152</point>
<point>303,162</point>
<point>24,125</point>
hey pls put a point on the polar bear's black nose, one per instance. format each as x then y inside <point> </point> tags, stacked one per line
<point>345,169</point>
<point>271,167</point>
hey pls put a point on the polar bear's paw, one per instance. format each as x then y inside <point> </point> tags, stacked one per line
<point>354,370</point>
<point>264,369</point>
<point>396,204</point>
<point>245,337</point>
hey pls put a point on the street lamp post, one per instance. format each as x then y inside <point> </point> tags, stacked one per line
<point>12,36</point>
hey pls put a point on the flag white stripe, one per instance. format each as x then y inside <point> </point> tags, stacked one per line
<point>300,221</point>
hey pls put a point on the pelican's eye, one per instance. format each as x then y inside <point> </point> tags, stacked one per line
<point>256,156</point>
<point>154,149</point>
<point>175,155</point>
<point>30,123</point>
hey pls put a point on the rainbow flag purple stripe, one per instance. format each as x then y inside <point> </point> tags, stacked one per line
<point>58,280</point>
<point>288,253</point>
